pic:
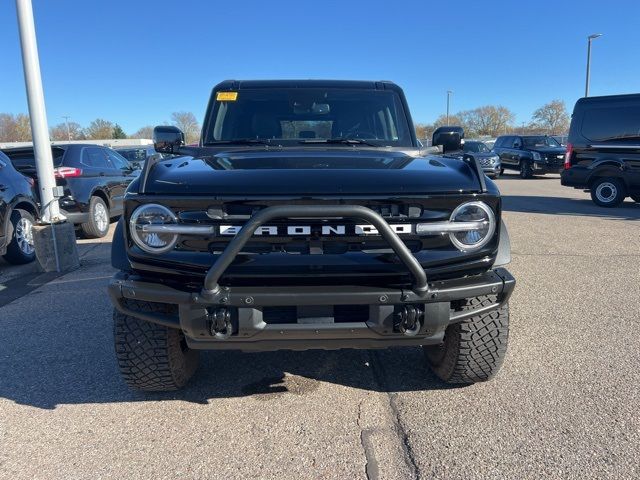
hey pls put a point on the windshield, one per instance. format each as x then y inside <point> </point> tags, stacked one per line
<point>475,147</point>
<point>540,141</point>
<point>308,115</point>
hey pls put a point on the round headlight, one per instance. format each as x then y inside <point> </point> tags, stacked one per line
<point>473,239</point>
<point>148,216</point>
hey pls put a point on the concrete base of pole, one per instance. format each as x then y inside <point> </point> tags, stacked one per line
<point>56,248</point>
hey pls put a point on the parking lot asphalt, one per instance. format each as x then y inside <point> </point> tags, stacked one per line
<point>565,404</point>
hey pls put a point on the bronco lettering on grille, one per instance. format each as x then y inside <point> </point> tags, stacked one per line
<point>323,230</point>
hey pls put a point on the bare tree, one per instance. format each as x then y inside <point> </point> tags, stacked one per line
<point>99,129</point>
<point>488,120</point>
<point>186,121</point>
<point>59,132</point>
<point>552,117</point>
<point>15,128</point>
<point>144,132</point>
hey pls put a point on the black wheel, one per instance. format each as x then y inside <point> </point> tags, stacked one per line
<point>474,349</point>
<point>525,169</point>
<point>152,357</point>
<point>98,224</point>
<point>502,171</point>
<point>20,250</point>
<point>608,192</point>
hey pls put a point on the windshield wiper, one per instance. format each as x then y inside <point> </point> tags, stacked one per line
<point>341,140</point>
<point>238,141</point>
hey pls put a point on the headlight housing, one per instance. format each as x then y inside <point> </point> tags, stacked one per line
<point>536,156</point>
<point>472,237</point>
<point>152,214</point>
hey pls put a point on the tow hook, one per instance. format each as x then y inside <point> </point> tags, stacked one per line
<point>220,321</point>
<point>409,319</point>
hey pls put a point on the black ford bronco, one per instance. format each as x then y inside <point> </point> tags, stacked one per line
<point>308,218</point>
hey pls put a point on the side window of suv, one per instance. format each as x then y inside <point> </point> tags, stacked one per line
<point>95,157</point>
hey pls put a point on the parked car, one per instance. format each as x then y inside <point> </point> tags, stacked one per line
<point>94,179</point>
<point>489,160</point>
<point>345,235</point>
<point>18,213</point>
<point>138,155</point>
<point>603,151</point>
<point>530,154</point>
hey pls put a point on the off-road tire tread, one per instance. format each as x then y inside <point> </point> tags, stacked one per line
<point>149,355</point>
<point>474,348</point>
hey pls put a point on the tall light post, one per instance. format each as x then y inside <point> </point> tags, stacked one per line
<point>55,240</point>
<point>589,39</point>
<point>449,92</point>
<point>66,119</point>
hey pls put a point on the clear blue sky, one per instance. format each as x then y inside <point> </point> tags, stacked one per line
<point>135,62</point>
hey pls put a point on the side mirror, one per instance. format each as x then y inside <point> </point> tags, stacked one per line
<point>451,138</point>
<point>167,139</point>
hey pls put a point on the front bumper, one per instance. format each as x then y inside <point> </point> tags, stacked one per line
<point>194,313</point>
<point>234,317</point>
<point>542,168</point>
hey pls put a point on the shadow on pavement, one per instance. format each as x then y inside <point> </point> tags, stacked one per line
<point>76,365</point>
<point>569,206</point>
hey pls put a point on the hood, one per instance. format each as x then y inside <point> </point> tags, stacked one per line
<point>310,171</point>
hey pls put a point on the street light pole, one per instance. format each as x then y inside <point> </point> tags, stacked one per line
<point>589,39</point>
<point>37,113</point>
<point>449,92</point>
<point>66,119</point>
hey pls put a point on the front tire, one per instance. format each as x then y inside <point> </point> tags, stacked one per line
<point>474,349</point>
<point>608,192</point>
<point>525,169</point>
<point>21,250</point>
<point>152,357</point>
<point>98,224</point>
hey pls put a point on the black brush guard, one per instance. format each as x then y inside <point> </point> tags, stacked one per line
<point>199,312</point>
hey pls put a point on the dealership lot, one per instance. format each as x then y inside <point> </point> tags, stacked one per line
<point>564,405</point>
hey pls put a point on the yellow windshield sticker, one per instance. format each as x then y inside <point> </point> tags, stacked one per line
<point>227,96</point>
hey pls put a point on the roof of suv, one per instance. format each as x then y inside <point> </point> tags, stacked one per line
<point>358,84</point>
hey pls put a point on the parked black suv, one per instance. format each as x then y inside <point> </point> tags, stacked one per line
<point>308,219</point>
<point>18,211</point>
<point>530,154</point>
<point>603,153</point>
<point>94,180</point>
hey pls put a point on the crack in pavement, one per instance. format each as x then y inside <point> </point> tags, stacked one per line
<point>371,466</point>
<point>401,432</point>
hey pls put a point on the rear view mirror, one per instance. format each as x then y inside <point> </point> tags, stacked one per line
<point>451,138</point>
<point>167,139</point>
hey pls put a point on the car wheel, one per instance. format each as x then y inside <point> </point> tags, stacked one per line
<point>525,169</point>
<point>152,357</point>
<point>474,349</point>
<point>21,250</point>
<point>98,224</point>
<point>608,192</point>
<point>502,171</point>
